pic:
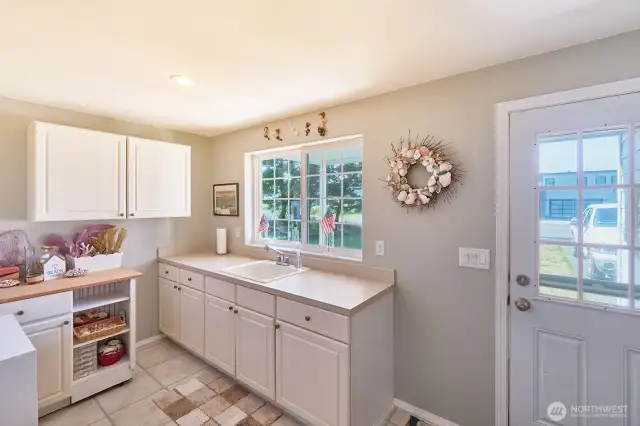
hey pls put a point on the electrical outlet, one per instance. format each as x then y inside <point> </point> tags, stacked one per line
<point>379,248</point>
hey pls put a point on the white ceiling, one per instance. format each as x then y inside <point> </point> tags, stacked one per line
<point>258,60</point>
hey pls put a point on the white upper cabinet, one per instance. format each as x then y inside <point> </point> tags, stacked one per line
<point>79,174</point>
<point>159,179</point>
<point>75,174</point>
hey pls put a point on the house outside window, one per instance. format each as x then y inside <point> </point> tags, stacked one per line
<point>601,180</point>
<point>293,188</point>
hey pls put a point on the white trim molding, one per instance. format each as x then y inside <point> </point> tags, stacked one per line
<point>149,340</point>
<point>503,112</point>
<point>424,415</point>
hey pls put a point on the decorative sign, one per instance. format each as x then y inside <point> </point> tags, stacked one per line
<point>54,268</point>
<point>225,200</point>
<point>433,156</point>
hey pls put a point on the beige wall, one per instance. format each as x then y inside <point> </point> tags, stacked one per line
<point>144,235</point>
<point>444,341</point>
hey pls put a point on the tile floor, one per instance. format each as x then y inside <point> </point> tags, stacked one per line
<point>172,387</point>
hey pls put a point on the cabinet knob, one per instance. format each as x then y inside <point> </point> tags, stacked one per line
<point>20,312</point>
<point>121,214</point>
<point>189,279</point>
<point>277,326</point>
<point>179,288</point>
<point>307,318</point>
<point>175,286</point>
<point>131,214</point>
<point>166,272</point>
<point>235,311</point>
<point>231,308</point>
<point>66,323</point>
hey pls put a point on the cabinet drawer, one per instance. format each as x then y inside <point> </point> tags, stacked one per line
<point>222,289</point>
<point>256,300</point>
<point>191,279</point>
<point>168,272</point>
<point>39,307</point>
<point>324,322</point>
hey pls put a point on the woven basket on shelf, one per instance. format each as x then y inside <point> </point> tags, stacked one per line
<point>113,325</point>
<point>85,361</point>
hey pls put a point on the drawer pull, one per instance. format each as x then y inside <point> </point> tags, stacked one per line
<point>277,326</point>
<point>166,272</point>
<point>179,288</point>
<point>307,318</point>
<point>175,286</point>
<point>231,308</point>
<point>235,311</point>
<point>66,323</point>
<point>189,279</point>
<point>20,312</point>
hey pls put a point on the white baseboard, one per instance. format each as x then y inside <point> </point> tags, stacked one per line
<point>383,420</point>
<point>423,414</point>
<point>150,340</point>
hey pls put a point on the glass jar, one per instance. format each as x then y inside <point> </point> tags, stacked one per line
<point>47,253</point>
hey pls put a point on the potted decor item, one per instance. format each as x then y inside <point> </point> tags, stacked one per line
<point>103,251</point>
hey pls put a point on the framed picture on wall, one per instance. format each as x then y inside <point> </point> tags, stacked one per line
<point>226,200</point>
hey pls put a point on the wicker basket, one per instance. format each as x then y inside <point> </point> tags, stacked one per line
<point>111,326</point>
<point>85,361</point>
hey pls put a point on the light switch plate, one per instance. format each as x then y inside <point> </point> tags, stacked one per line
<point>474,258</point>
<point>379,248</point>
<point>238,234</point>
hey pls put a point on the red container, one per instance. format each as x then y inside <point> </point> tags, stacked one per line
<point>110,358</point>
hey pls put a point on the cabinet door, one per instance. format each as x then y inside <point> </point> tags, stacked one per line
<point>192,319</point>
<point>219,334</point>
<point>159,179</point>
<point>255,351</point>
<point>52,340</point>
<point>169,308</point>
<point>312,376</point>
<point>75,174</point>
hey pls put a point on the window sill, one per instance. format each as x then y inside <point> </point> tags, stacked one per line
<point>312,254</point>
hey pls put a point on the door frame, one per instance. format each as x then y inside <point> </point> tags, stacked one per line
<point>501,183</point>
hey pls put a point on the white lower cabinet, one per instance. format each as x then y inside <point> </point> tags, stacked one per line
<point>52,339</point>
<point>312,376</point>
<point>220,334</point>
<point>169,308</point>
<point>192,319</point>
<point>255,351</point>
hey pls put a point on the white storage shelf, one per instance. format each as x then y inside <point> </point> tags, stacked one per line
<point>95,301</point>
<point>77,344</point>
<point>103,371</point>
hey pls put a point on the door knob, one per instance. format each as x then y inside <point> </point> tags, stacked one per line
<point>522,304</point>
<point>522,280</point>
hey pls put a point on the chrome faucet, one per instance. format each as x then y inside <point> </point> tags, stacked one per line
<point>284,260</point>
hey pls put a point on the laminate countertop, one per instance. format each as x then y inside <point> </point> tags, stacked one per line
<point>27,291</point>
<point>338,293</point>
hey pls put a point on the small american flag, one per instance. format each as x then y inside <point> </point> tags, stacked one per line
<point>328,222</point>
<point>264,224</point>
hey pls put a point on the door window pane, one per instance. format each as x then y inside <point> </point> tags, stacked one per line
<point>606,221</point>
<point>314,163</point>
<point>558,271</point>
<point>333,161</point>
<point>268,169</point>
<point>606,275</point>
<point>558,213</point>
<point>313,233</point>
<point>353,160</point>
<point>313,187</point>
<point>605,153</point>
<point>282,168</point>
<point>558,160</point>
<point>352,185</point>
<point>352,236</point>
<point>281,188</point>
<point>334,184</point>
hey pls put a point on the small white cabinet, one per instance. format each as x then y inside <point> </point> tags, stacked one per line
<point>52,339</point>
<point>75,174</point>
<point>312,376</point>
<point>169,308</point>
<point>255,351</point>
<point>219,338</point>
<point>79,174</point>
<point>159,182</point>
<point>192,319</point>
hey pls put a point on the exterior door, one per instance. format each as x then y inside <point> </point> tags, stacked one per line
<point>575,264</point>
<point>53,343</point>
<point>255,351</point>
<point>219,334</point>
<point>192,319</point>
<point>169,308</point>
<point>76,174</point>
<point>303,357</point>
<point>159,179</point>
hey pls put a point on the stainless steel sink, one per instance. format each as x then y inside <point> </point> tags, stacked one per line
<point>263,271</point>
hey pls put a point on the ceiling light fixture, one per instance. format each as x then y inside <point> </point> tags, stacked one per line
<point>182,80</point>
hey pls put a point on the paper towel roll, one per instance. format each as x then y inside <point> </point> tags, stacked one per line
<point>221,241</point>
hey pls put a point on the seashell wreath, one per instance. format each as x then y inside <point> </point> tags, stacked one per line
<point>432,155</point>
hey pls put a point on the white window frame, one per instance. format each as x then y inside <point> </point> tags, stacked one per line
<point>253,196</point>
